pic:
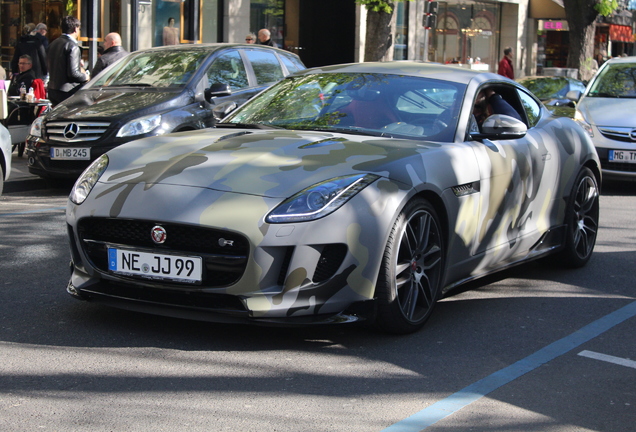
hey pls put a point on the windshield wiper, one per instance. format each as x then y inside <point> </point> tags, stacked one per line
<point>246,126</point>
<point>601,94</point>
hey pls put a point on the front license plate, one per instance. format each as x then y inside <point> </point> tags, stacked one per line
<point>622,156</point>
<point>155,266</point>
<point>70,153</point>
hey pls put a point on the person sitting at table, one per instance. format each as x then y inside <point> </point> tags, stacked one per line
<point>26,76</point>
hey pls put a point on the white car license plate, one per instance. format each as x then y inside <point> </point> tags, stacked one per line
<point>70,153</point>
<point>627,156</point>
<point>155,266</point>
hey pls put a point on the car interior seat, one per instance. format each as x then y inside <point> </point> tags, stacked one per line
<point>368,109</point>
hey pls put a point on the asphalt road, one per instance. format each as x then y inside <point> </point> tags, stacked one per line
<point>536,348</point>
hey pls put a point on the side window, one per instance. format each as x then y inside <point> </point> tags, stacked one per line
<point>292,63</point>
<point>228,69</point>
<point>532,108</point>
<point>266,66</point>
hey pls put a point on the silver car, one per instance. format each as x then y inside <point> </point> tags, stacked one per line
<point>5,156</point>
<point>349,192</point>
<point>607,111</point>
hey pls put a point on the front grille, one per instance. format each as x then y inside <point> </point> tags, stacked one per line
<point>623,134</point>
<point>223,265</point>
<point>85,131</point>
<point>617,166</point>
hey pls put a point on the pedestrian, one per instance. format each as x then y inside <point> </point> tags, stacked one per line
<point>113,51</point>
<point>505,65</point>
<point>24,77</point>
<point>265,38</point>
<point>30,45</point>
<point>250,38</point>
<point>65,70</point>
<point>171,33</point>
<point>40,32</point>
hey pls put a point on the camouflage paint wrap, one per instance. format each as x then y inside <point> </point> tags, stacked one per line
<point>497,199</point>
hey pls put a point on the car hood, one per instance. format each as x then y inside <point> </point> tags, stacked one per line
<point>612,112</point>
<point>264,163</point>
<point>111,104</point>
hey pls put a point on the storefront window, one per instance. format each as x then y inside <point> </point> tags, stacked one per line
<point>180,21</point>
<point>15,14</point>
<point>466,34</point>
<point>400,51</point>
<point>268,14</point>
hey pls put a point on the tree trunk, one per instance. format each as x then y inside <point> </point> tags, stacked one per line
<point>581,17</point>
<point>378,38</point>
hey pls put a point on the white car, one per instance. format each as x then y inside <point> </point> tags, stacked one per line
<point>606,111</point>
<point>5,156</point>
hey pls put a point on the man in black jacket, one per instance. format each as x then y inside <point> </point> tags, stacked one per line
<point>24,76</point>
<point>29,44</point>
<point>265,38</point>
<point>113,51</point>
<point>66,74</point>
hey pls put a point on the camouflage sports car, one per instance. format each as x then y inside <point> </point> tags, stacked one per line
<point>350,192</point>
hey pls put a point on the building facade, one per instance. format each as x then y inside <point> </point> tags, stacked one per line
<point>469,33</point>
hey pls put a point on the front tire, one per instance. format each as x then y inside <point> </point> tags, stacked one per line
<point>410,278</point>
<point>581,217</point>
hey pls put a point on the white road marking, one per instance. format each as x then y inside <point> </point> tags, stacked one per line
<point>609,358</point>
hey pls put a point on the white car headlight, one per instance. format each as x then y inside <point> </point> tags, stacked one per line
<point>141,125</point>
<point>88,179</point>
<point>36,127</point>
<point>578,117</point>
<point>320,199</point>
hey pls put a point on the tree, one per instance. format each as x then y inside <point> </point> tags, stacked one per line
<point>378,39</point>
<point>581,17</point>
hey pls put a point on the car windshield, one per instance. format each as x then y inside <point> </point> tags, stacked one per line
<point>371,104</point>
<point>615,81</point>
<point>549,87</point>
<point>153,69</point>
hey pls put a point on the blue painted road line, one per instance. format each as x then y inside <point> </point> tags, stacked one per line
<point>439,410</point>
<point>33,211</point>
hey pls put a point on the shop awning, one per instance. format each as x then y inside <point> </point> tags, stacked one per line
<point>547,9</point>
<point>620,33</point>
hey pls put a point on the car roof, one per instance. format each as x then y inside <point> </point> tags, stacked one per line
<point>631,59</point>
<point>410,68</point>
<point>211,47</point>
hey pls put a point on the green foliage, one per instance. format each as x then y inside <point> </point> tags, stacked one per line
<point>385,6</point>
<point>606,7</point>
<point>377,5</point>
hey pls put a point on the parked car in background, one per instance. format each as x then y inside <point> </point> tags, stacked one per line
<point>607,111</point>
<point>151,92</point>
<point>553,91</point>
<point>342,193</point>
<point>5,156</point>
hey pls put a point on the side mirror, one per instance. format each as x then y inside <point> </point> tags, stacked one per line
<point>573,95</point>
<point>501,127</point>
<point>223,109</point>
<point>216,90</point>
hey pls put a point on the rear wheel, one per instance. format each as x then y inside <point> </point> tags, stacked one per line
<point>581,217</point>
<point>410,279</point>
<point>1,178</point>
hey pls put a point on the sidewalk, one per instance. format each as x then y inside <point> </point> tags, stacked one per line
<point>20,179</point>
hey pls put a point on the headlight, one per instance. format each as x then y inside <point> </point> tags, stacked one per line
<point>36,127</point>
<point>140,126</point>
<point>578,117</point>
<point>87,180</point>
<point>320,199</point>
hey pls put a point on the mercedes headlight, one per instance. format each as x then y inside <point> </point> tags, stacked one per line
<point>141,125</point>
<point>320,199</point>
<point>36,128</point>
<point>88,179</point>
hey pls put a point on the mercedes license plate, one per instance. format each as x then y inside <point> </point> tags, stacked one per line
<point>70,153</point>
<point>155,266</point>
<point>625,156</point>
